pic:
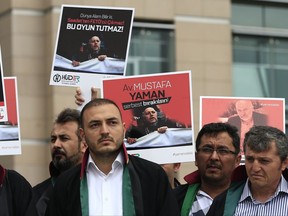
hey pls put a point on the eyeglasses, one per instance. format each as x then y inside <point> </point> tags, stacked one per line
<point>220,151</point>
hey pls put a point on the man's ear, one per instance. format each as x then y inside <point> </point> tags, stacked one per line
<point>82,134</point>
<point>83,141</point>
<point>196,159</point>
<point>83,145</point>
<point>284,164</point>
<point>238,160</point>
<point>176,166</point>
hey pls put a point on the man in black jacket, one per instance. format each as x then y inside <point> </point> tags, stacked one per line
<point>15,193</point>
<point>217,146</point>
<point>67,150</point>
<point>110,182</point>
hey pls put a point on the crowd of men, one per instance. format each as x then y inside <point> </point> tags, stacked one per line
<point>92,173</point>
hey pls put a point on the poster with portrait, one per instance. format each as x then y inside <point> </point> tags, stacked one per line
<point>157,111</point>
<point>243,112</point>
<point>10,142</point>
<point>92,43</point>
<point>3,109</point>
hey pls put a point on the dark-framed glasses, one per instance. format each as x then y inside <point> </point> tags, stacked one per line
<point>220,151</point>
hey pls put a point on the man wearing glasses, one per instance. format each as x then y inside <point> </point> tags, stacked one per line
<point>217,155</point>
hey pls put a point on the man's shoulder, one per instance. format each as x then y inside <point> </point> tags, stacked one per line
<point>15,177</point>
<point>71,172</point>
<point>146,169</point>
<point>181,189</point>
<point>42,186</point>
<point>233,118</point>
<point>143,162</point>
<point>69,175</point>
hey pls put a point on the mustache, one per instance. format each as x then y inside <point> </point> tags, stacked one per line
<point>105,138</point>
<point>58,152</point>
<point>214,165</point>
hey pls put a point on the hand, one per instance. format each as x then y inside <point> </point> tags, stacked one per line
<point>75,63</point>
<point>131,140</point>
<point>162,129</point>
<point>102,57</point>
<point>79,99</point>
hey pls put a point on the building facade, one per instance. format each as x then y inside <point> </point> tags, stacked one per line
<point>196,35</point>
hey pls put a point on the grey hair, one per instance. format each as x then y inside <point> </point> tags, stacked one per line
<point>261,138</point>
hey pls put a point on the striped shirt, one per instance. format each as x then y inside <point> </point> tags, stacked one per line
<point>276,205</point>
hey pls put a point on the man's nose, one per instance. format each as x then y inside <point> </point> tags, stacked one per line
<point>104,129</point>
<point>57,144</point>
<point>256,166</point>
<point>214,155</point>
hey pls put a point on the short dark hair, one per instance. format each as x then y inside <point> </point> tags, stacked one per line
<point>213,129</point>
<point>69,115</point>
<point>97,102</point>
<point>260,138</point>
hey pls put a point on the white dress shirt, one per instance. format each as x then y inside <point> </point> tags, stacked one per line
<point>105,191</point>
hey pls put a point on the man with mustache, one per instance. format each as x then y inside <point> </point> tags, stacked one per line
<point>218,147</point>
<point>149,122</point>
<point>67,149</point>
<point>109,181</point>
<point>265,191</point>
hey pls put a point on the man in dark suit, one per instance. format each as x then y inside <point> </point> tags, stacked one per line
<point>246,118</point>
<point>67,150</point>
<point>109,181</point>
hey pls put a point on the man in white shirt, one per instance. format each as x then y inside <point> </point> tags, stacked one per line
<point>110,182</point>
<point>265,191</point>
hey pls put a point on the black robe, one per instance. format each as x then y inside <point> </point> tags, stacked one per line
<point>42,192</point>
<point>152,192</point>
<point>15,193</point>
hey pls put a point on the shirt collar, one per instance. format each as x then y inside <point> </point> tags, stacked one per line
<point>119,161</point>
<point>86,156</point>
<point>282,187</point>
<point>202,193</point>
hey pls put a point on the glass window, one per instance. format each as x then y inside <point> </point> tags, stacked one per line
<point>152,50</point>
<point>247,15</point>
<point>260,66</point>
<point>260,15</point>
<point>275,17</point>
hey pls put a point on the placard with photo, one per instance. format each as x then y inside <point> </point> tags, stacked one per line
<point>10,142</point>
<point>92,42</point>
<point>157,111</point>
<point>243,112</point>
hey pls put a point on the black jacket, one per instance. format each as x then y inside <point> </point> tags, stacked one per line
<point>42,193</point>
<point>152,193</point>
<point>15,193</point>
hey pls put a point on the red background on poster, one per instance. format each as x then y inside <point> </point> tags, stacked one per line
<point>213,109</point>
<point>178,108</point>
<point>10,90</point>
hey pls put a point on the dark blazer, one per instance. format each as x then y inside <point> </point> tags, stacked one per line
<point>42,192</point>
<point>238,175</point>
<point>151,191</point>
<point>258,118</point>
<point>15,193</point>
